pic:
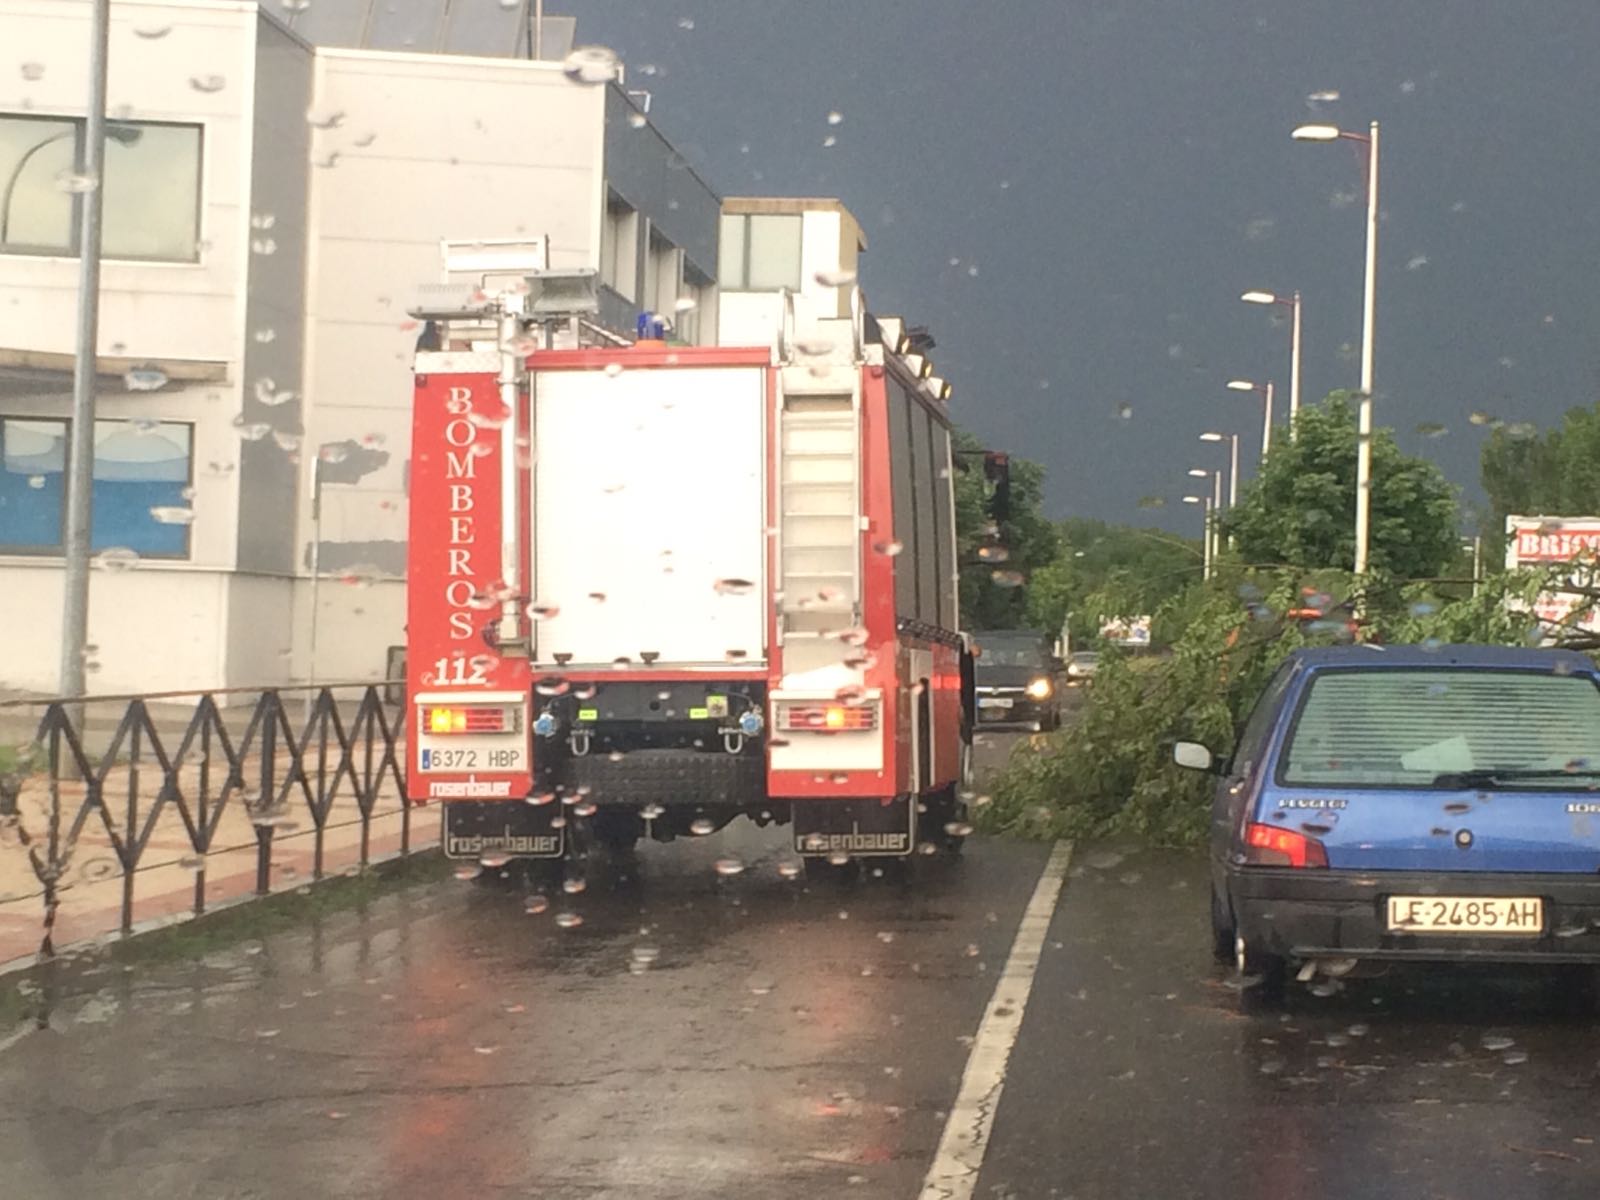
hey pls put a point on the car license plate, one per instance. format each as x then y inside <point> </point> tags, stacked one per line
<point>993,702</point>
<point>1467,914</point>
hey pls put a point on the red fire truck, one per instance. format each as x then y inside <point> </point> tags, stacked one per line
<point>655,587</point>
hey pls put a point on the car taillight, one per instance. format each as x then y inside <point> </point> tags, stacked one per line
<point>827,718</point>
<point>1269,846</point>
<point>458,718</point>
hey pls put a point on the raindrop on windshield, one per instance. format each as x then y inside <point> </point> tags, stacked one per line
<point>568,920</point>
<point>729,866</point>
<point>117,558</point>
<point>468,871</point>
<point>74,183</point>
<point>172,515</point>
<point>591,65</point>
<point>702,826</point>
<point>1007,579</point>
<point>151,33</point>
<point>324,118</point>
<point>732,587</point>
<point>534,905</point>
<point>573,886</point>
<point>207,83</point>
<point>836,278</point>
<point>144,379</point>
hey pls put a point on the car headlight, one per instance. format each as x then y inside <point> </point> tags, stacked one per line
<point>1040,689</point>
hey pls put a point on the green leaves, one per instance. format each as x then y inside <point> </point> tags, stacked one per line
<point>1109,773</point>
<point>1300,510</point>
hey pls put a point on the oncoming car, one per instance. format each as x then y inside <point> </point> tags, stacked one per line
<point>1015,676</point>
<point>1403,803</point>
<point>1081,667</point>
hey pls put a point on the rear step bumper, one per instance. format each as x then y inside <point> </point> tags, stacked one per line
<point>1343,914</point>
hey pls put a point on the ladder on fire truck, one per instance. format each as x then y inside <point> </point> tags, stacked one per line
<point>819,482</point>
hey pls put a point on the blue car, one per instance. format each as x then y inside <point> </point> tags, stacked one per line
<point>1395,803</point>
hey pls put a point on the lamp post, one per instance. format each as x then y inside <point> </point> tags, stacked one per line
<point>1205,558</point>
<point>1369,309</point>
<point>80,446</point>
<point>1265,391</point>
<point>1214,533</point>
<point>1292,303</point>
<point>1233,462</point>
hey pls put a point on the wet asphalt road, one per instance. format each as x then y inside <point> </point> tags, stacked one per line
<point>753,1036</point>
<point>1137,1074</point>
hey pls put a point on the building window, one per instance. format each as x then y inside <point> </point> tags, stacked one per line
<point>151,206</point>
<point>663,279</point>
<point>696,292</point>
<point>760,252</point>
<point>141,477</point>
<point>619,248</point>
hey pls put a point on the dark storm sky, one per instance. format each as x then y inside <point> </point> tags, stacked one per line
<point>1118,171</point>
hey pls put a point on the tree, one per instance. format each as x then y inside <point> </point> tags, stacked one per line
<point>1553,475</point>
<point>1300,510</point>
<point>998,560</point>
<point>1105,570</point>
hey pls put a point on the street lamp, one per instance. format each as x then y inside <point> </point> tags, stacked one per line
<point>1233,462</point>
<point>1293,305</point>
<point>1369,307</point>
<point>1214,532</point>
<point>123,135</point>
<point>1264,390</point>
<point>1206,544</point>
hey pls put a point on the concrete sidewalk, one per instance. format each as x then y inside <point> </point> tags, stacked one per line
<point>164,885</point>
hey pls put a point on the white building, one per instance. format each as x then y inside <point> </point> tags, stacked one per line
<point>273,193</point>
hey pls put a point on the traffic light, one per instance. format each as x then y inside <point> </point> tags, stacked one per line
<point>997,470</point>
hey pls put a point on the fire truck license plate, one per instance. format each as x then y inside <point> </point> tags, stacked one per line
<point>509,759</point>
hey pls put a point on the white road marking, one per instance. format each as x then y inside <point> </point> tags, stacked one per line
<point>954,1173</point>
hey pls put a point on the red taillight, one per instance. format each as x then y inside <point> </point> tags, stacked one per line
<point>827,718</point>
<point>1269,846</point>
<point>457,718</point>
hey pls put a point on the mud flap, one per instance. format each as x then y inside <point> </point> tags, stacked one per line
<point>475,828</point>
<point>859,828</point>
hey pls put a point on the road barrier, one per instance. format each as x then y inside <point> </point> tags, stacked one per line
<point>110,792</point>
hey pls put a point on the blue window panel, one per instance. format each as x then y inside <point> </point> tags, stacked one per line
<point>32,458</point>
<point>122,518</point>
<point>135,470</point>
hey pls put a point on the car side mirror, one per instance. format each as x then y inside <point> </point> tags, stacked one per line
<point>1193,756</point>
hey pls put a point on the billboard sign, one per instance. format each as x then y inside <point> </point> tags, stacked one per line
<point>1127,631</point>
<point>1533,542</point>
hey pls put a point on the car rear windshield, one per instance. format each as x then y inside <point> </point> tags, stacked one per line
<point>1399,728</point>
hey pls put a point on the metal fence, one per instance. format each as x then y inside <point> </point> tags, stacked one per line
<point>129,786</point>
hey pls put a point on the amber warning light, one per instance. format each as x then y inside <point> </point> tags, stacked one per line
<point>458,718</point>
<point>828,718</point>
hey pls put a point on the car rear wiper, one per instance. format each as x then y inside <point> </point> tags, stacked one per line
<point>1488,777</point>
